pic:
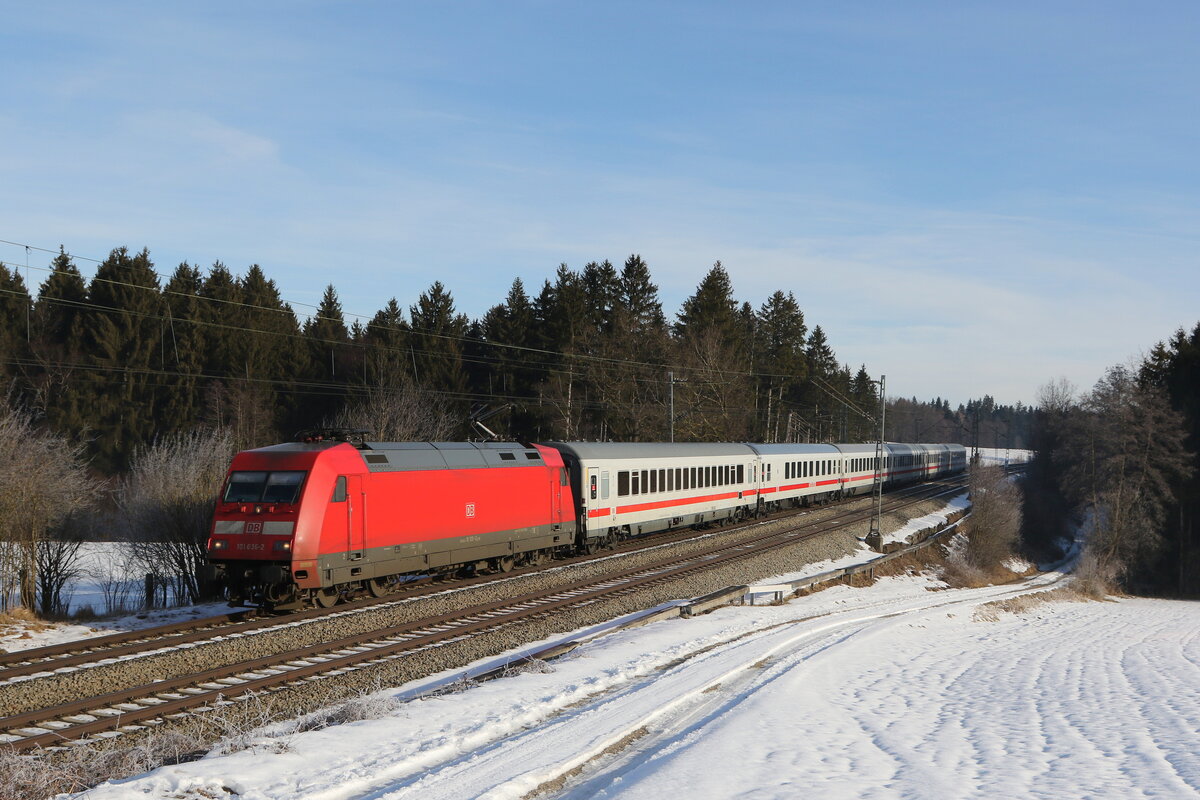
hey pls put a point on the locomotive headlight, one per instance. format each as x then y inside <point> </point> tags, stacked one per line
<point>219,544</point>
<point>283,546</point>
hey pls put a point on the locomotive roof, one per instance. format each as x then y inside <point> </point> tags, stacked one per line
<point>587,450</point>
<point>400,456</point>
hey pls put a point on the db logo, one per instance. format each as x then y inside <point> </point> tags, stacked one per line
<point>470,509</point>
<point>253,527</point>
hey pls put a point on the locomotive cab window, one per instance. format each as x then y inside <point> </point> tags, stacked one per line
<point>339,490</point>
<point>264,487</point>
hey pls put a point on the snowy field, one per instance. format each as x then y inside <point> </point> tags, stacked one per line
<point>894,691</point>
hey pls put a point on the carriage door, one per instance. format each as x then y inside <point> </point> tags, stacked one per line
<point>591,488</point>
<point>356,515</point>
<point>556,489</point>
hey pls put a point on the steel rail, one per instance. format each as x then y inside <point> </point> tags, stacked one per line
<point>144,641</point>
<point>54,726</point>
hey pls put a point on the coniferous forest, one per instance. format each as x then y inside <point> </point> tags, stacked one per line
<point>133,354</point>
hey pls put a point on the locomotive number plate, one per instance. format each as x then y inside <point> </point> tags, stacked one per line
<point>251,546</point>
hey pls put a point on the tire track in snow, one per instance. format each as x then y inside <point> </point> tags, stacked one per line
<point>592,729</point>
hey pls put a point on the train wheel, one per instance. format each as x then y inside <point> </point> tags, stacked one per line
<point>503,564</point>
<point>325,598</point>
<point>378,587</point>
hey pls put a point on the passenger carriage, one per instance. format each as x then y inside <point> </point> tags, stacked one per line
<point>630,489</point>
<point>799,474</point>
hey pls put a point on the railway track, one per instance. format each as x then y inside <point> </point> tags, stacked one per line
<point>81,653</point>
<point>133,708</point>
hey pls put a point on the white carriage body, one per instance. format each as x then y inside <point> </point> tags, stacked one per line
<point>650,486</point>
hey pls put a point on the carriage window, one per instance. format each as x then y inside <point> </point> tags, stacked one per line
<point>741,475</point>
<point>662,480</point>
<point>622,484</point>
<point>604,485</point>
<point>645,481</point>
<point>679,473</point>
<point>653,480</point>
<point>787,471</point>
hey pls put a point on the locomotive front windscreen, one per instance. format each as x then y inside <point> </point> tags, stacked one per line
<point>264,487</point>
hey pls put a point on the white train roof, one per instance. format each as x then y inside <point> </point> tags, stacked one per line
<point>794,449</point>
<point>618,450</point>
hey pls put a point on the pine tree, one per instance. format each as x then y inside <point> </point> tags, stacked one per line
<point>819,355</point>
<point>389,364</point>
<point>712,309</point>
<point>865,396</point>
<point>780,359</point>
<point>57,326</point>
<point>1174,368</point>
<point>712,341</point>
<point>328,342</point>
<point>184,347</point>
<point>266,394</point>
<point>506,336</point>
<point>15,310</point>
<point>60,304</point>
<point>437,342</point>
<point>561,311</point>
<point>639,298</point>
<point>222,313</point>
<point>561,314</point>
<point>121,341</point>
<point>602,290</point>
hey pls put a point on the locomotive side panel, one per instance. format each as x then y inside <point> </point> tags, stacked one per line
<point>419,519</point>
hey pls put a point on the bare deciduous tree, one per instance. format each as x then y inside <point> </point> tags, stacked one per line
<point>1120,452</point>
<point>995,521</point>
<point>167,502</point>
<point>45,480</point>
<point>58,565</point>
<point>406,413</point>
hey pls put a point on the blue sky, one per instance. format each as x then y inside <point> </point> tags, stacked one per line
<point>970,197</point>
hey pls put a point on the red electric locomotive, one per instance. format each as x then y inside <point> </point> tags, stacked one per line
<point>315,521</point>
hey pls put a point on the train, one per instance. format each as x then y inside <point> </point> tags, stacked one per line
<point>317,521</point>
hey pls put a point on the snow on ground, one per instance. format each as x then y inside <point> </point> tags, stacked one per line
<point>1001,455</point>
<point>893,691</point>
<point>106,581</point>
<point>23,635</point>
